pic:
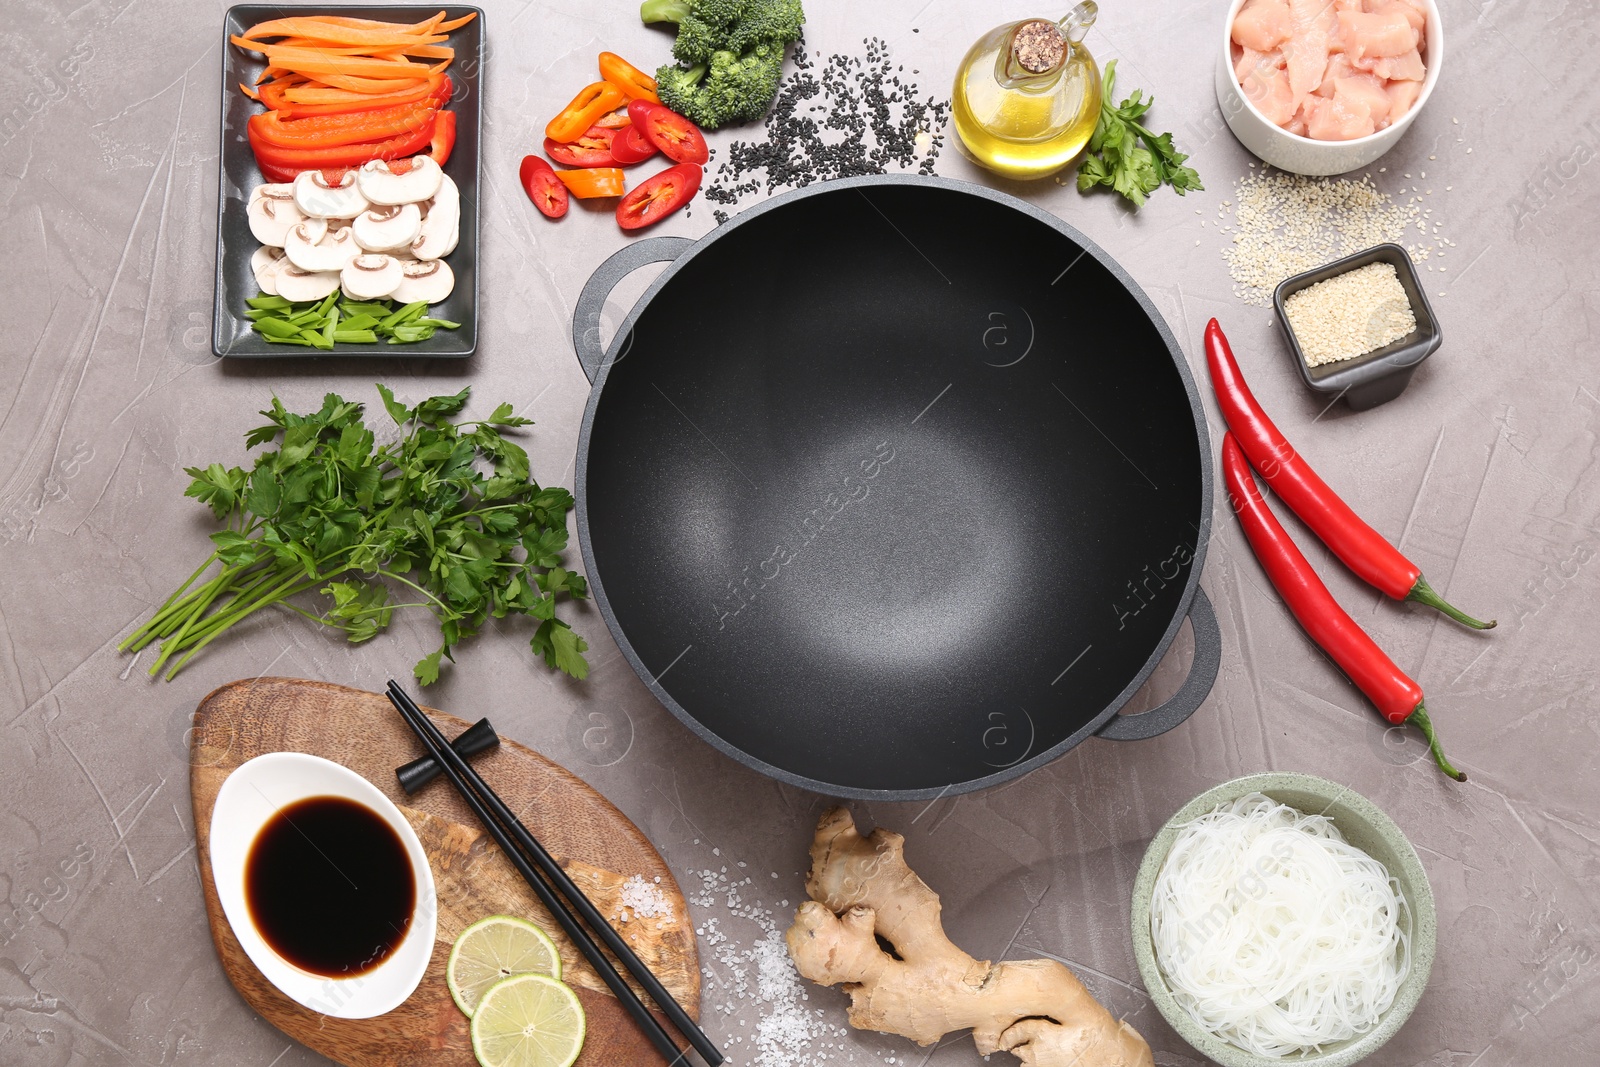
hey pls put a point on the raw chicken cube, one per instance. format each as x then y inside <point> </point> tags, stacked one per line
<point>1307,50</point>
<point>1250,60</point>
<point>1412,14</point>
<point>1336,119</point>
<point>1385,33</point>
<point>1407,67</point>
<point>1364,92</point>
<point>1338,67</point>
<point>1262,25</point>
<point>1270,92</point>
<point>1401,96</point>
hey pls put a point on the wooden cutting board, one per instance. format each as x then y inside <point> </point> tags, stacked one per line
<point>594,841</point>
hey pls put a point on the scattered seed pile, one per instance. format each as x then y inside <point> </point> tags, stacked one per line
<point>850,115</point>
<point>1350,314</point>
<point>1284,224</point>
<point>756,973</point>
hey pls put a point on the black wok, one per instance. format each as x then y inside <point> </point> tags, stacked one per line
<point>894,487</point>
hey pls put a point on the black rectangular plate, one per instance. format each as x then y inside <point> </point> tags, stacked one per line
<point>230,333</point>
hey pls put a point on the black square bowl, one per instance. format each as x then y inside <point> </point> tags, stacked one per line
<point>1382,374</point>
<point>230,333</point>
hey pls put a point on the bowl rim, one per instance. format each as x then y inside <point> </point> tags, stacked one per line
<point>233,830</point>
<point>1419,898</point>
<point>1435,52</point>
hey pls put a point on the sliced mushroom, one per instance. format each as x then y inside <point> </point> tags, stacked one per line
<point>387,228</point>
<point>441,223</point>
<point>299,285</point>
<point>371,276</point>
<point>400,181</point>
<point>266,263</point>
<point>272,212</point>
<point>429,281</point>
<point>315,197</point>
<point>331,251</point>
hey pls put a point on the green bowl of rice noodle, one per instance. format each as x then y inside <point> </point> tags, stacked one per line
<point>1266,933</point>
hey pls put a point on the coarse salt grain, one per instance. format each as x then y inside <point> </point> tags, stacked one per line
<point>644,900</point>
<point>1350,314</point>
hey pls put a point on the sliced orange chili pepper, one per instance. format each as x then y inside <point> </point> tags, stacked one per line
<point>592,182</point>
<point>590,103</point>
<point>634,83</point>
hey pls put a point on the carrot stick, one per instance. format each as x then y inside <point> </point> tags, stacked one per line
<point>368,85</point>
<point>341,31</point>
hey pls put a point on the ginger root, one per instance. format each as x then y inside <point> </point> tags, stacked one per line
<point>861,890</point>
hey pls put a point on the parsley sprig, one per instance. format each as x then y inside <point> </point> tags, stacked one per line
<point>1126,156</point>
<point>447,517</point>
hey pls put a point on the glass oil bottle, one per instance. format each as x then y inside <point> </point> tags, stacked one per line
<point>1027,96</point>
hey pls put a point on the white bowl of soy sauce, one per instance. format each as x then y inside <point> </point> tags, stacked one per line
<point>324,884</point>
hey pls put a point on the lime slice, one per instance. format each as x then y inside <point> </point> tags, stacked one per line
<point>528,1020</point>
<point>492,950</point>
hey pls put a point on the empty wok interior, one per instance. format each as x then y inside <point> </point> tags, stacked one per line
<point>892,488</point>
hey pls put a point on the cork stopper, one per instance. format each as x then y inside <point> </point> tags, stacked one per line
<point>1038,46</point>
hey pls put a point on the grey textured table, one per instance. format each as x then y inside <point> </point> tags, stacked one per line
<point>1485,472</point>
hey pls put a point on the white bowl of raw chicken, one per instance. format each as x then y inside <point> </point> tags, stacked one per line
<point>1272,88</point>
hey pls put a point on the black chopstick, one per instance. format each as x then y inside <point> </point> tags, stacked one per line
<point>504,826</point>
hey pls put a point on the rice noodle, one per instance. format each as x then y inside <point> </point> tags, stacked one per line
<point>1275,933</point>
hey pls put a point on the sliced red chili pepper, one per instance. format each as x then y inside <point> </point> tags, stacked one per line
<point>591,102</point>
<point>331,131</point>
<point>629,146</point>
<point>296,160</point>
<point>679,139</point>
<point>443,141</point>
<point>591,149</point>
<point>1397,697</point>
<point>1363,549</point>
<point>659,196</point>
<point>593,182</point>
<point>539,181</point>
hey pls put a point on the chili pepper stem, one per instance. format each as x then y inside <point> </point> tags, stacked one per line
<point>1420,717</point>
<point>1423,593</point>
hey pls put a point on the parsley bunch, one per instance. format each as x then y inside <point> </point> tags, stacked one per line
<point>1128,157</point>
<point>447,514</point>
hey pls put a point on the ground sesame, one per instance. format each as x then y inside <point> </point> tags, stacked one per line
<point>844,116</point>
<point>1350,314</point>
<point>1287,224</point>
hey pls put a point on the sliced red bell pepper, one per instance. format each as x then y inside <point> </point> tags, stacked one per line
<point>443,140</point>
<point>331,131</point>
<point>294,160</point>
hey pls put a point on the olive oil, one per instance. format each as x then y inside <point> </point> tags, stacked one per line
<point>1027,95</point>
<point>329,886</point>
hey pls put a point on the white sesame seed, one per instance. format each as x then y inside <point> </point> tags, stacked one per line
<point>1350,314</point>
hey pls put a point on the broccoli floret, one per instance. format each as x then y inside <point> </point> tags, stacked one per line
<point>731,88</point>
<point>732,51</point>
<point>773,21</point>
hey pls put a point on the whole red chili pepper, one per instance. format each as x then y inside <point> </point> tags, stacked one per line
<point>1397,697</point>
<point>1361,548</point>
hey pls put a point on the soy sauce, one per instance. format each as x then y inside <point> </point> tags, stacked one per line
<point>329,886</point>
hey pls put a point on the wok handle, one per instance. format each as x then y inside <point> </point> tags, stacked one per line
<point>1187,700</point>
<point>592,301</point>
